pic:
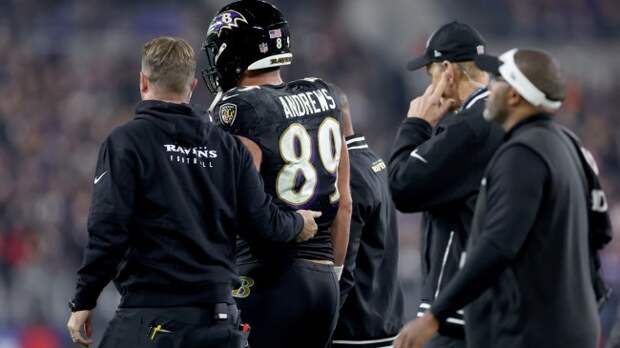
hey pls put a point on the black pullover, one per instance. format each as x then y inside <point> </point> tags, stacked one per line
<point>170,194</point>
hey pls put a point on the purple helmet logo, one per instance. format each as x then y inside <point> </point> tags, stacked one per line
<point>226,20</point>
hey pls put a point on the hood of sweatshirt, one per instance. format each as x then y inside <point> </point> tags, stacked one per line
<point>182,121</point>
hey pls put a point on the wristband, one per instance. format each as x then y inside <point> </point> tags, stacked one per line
<point>338,271</point>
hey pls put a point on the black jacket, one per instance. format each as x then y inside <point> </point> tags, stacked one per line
<point>439,174</point>
<point>170,194</point>
<point>371,298</point>
<point>528,268</point>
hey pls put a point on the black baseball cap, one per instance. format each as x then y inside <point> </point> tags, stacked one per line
<point>488,63</point>
<point>454,42</point>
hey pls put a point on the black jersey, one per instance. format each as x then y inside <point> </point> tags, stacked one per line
<point>297,126</point>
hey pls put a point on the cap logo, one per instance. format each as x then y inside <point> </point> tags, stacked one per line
<point>436,54</point>
<point>480,49</point>
<point>226,20</point>
<point>228,113</point>
<point>263,47</point>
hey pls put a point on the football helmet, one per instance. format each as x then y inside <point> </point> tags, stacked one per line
<point>244,35</point>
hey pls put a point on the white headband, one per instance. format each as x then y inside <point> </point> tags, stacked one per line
<point>511,73</point>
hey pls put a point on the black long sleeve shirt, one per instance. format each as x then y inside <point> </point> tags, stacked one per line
<point>513,201</point>
<point>527,278</point>
<point>438,171</point>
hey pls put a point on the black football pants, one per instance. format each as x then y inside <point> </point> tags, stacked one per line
<point>175,327</point>
<point>293,305</point>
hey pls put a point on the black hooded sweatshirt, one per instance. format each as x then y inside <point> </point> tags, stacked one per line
<point>170,194</point>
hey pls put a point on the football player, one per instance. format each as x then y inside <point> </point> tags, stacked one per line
<point>289,292</point>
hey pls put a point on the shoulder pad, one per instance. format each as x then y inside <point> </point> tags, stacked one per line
<point>236,110</point>
<point>247,88</point>
<point>312,79</point>
<point>241,93</point>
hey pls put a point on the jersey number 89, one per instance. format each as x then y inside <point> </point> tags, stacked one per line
<point>299,162</point>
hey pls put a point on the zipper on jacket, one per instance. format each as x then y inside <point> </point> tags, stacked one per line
<point>443,263</point>
<point>426,262</point>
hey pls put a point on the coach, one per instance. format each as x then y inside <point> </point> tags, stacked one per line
<point>170,192</point>
<point>438,161</point>
<point>528,263</point>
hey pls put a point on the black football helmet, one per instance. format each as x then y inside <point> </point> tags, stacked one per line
<point>244,35</point>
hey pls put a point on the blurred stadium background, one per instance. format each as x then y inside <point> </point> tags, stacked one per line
<point>69,74</point>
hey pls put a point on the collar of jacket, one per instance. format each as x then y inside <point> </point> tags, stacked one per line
<point>543,116</point>
<point>356,141</point>
<point>480,93</point>
<point>166,108</point>
<point>183,122</point>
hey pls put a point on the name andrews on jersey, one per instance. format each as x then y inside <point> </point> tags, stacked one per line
<point>307,103</point>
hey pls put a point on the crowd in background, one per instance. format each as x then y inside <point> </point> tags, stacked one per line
<point>69,74</point>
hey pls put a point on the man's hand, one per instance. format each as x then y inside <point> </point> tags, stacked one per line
<point>310,226</point>
<point>417,332</point>
<point>77,321</point>
<point>431,106</point>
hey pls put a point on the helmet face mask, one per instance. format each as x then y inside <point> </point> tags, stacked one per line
<point>210,74</point>
<point>244,35</point>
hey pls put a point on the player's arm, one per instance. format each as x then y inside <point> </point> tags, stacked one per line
<point>259,218</point>
<point>341,225</point>
<point>360,210</point>
<point>255,151</point>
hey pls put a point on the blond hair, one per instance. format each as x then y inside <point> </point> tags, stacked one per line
<point>169,63</point>
<point>470,69</point>
<point>467,68</point>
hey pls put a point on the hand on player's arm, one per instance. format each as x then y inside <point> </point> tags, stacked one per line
<point>310,226</point>
<point>417,332</point>
<point>80,320</point>
<point>431,106</point>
